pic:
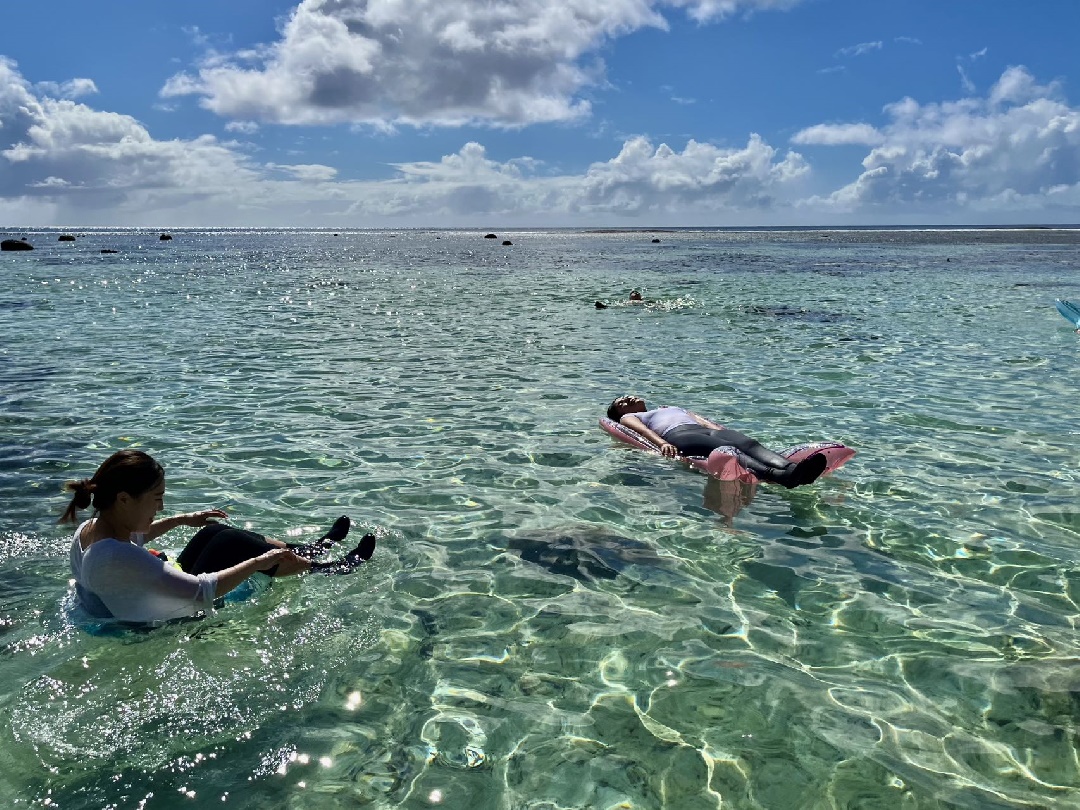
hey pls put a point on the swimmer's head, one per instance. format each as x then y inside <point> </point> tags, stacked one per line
<point>635,295</point>
<point>624,405</point>
<point>125,471</point>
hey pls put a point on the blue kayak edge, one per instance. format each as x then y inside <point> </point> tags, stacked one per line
<point>1069,311</point>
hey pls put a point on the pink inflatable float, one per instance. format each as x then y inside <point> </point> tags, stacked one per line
<point>723,462</point>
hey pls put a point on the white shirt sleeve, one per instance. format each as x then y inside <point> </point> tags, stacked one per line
<point>136,586</point>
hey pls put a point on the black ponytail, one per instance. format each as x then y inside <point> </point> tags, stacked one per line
<point>130,471</point>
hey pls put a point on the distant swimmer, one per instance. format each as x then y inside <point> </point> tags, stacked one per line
<point>635,298</point>
<point>677,431</point>
<point>116,577</point>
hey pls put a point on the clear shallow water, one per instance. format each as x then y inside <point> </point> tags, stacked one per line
<point>551,620</point>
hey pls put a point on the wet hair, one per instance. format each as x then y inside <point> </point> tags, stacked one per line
<point>130,471</point>
<point>613,410</point>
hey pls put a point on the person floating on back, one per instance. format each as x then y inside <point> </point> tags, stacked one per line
<point>676,431</point>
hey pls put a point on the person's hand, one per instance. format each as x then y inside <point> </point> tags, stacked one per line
<point>202,518</point>
<point>274,556</point>
<point>286,560</point>
<point>669,450</point>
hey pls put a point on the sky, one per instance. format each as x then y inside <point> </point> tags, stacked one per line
<point>540,113</point>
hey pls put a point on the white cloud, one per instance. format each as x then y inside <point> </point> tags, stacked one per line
<point>180,85</point>
<point>838,135</point>
<point>470,165</point>
<point>432,62</point>
<point>243,127</point>
<point>69,89</point>
<point>965,80</point>
<point>65,163</point>
<point>1017,148</point>
<point>1017,86</point>
<point>642,179</point>
<point>708,10</point>
<point>75,158</point>
<point>19,107</point>
<point>311,173</point>
<point>51,182</point>
<point>861,49</point>
<point>689,187</point>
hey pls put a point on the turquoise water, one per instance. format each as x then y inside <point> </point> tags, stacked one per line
<point>553,620</point>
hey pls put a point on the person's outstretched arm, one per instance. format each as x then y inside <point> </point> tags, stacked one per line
<point>288,563</point>
<point>632,422</point>
<point>193,519</point>
<point>137,586</point>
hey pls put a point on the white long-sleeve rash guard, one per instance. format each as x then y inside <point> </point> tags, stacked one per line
<point>133,585</point>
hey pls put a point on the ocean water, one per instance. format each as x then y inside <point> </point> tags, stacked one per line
<point>553,620</point>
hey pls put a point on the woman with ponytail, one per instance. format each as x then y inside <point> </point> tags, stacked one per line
<point>116,577</point>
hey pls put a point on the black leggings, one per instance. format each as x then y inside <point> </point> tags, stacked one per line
<point>697,440</point>
<point>217,547</point>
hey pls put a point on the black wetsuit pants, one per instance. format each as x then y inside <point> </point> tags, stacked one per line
<point>697,440</point>
<point>216,547</point>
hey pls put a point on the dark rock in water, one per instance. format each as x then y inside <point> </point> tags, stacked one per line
<point>66,237</point>
<point>507,242</point>
<point>490,236</point>
<point>656,241</point>
<point>165,237</point>
<point>109,250</point>
<point>584,553</point>
<point>795,313</point>
<point>429,622</point>
<point>15,244</point>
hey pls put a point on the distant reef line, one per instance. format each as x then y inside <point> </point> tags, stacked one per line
<point>670,229</point>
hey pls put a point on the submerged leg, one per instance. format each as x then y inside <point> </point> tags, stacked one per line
<point>766,464</point>
<point>222,548</point>
<point>335,534</point>
<point>811,468</point>
<point>198,543</point>
<point>774,467</point>
<point>764,471</point>
<point>792,475</point>
<point>351,561</point>
<point>762,454</point>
